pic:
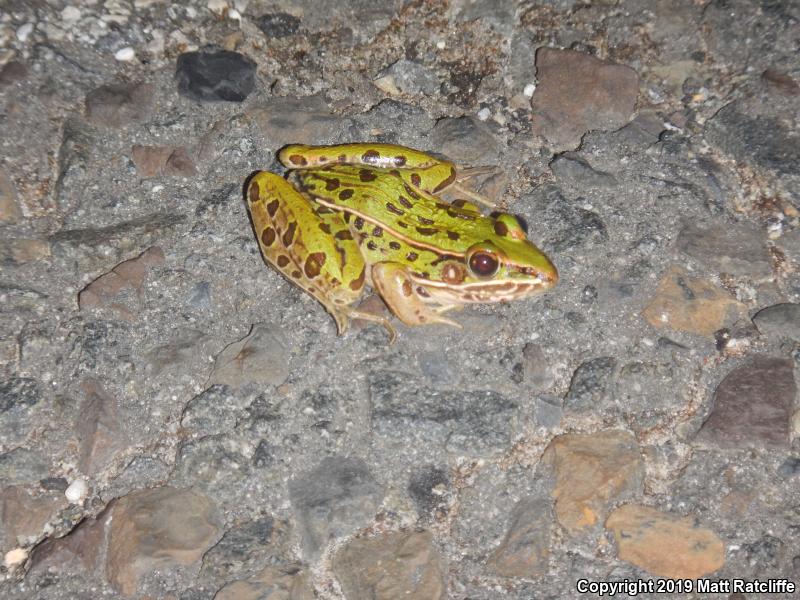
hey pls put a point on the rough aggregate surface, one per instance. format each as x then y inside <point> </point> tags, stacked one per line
<point>179,421</point>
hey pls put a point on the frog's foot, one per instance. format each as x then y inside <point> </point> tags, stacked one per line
<point>469,173</point>
<point>395,286</point>
<point>373,318</point>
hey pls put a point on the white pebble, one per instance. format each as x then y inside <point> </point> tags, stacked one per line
<point>24,32</point>
<point>71,14</point>
<point>15,557</point>
<point>76,491</point>
<point>441,45</point>
<point>234,15</point>
<point>125,54</point>
<point>484,114</point>
<point>529,89</point>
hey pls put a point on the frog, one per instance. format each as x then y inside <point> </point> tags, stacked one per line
<point>350,216</point>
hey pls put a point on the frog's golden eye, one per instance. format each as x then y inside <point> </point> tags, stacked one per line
<point>483,263</point>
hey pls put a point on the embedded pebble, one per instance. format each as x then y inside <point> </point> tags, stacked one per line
<point>215,76</point>
<point>76,491</point>
<point>126,54</point>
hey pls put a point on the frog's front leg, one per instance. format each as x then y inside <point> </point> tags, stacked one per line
<point>395,286</point>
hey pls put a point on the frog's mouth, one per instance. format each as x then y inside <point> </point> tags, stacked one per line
<point>481,292</point>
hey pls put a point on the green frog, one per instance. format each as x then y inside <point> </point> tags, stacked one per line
<point>354,215</point>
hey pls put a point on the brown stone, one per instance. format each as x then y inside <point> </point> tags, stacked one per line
<point>287,120</point>
<point>9,210</point>
<point>391,566</point>
<point>24,513</point>
<point>578,93</point>
<point>97,428</point>
<point>690,304</point>
<point>153,161</point>
<point>158,529</point>
<point>126,276</point>
<point>665,545</point>
<point>12,72</point>
<point>526,548</point>
<point>752,406</point>
<point>18,251</point>
<point>592,472</point>
<point>272,583</point>
<point>78,551</point>
<point>781,82</point>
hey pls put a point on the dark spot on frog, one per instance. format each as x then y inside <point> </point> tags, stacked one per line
<point>268,236</point>
<point>313,264</point>
<point>325,228</point>
<point>372,245</point>
<point>500,228</point>
<point>446,182</point>
<point>344,234</point>
<point>272,207</point>
<point>416,179</point>
<point>399,160</point>
<point>426,231</point>
<point>346,194</point>
<point>371,157</point>
<point>377,232</point>
<point>453,235</point>
<point>366,175</point>
<point>296,159</point>
<point>331,184</point>
<point>282,261</point>
<point>425,221</point>
<point>412,256</point>
<point>358,283</point>
<point>359,223</point>
<point>404,201</point>
<point>393,209</point>
<point>288,235</point>
<point>394,245</point>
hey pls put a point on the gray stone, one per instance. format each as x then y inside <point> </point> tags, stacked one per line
<point>287,120</point>
<point>18,394</point>
<point>526,548</point>
<point>752,406</point>
<point>591,384</point>
<point>20,466</point>
<point>465,140</point>
<point>278,25</point>
<point>218,464</point>
<point>333,500</point>
<point>430,490</point>
<point>575,170</point>
<point>119,105</point>
<point>412,78</point>
<point>733,249</point>
<point>261,357</point>
<point>212,411</point>
<point>246,548</point>
<point>215,76</point>
<point>779,321</point>
<point>477,422</point>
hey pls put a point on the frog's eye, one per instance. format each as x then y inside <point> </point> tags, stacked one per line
<point>483,262</point>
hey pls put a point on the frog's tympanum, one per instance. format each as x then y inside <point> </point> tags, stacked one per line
<point>369,214</point>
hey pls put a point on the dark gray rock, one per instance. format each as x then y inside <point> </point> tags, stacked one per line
<point>215,76</point>
<point>761,140</point>
<point>732,249</point>
<point>790,467</point>
<point>430,488</point>
<point>18,393</point>
<point>412,78</point>
<point>278,25</point>
<point>591,384</point>
<point>470,422</point>
<point>752,406</point>
<point>779,321</point>
<point>245,549</point>
<point>576,170</point>
<point>332,500</point>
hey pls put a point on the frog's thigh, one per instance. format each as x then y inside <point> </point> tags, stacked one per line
<point>318,256</point>
<point>394,285</point>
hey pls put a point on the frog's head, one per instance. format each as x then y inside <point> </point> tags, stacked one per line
<point>506,267</point>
